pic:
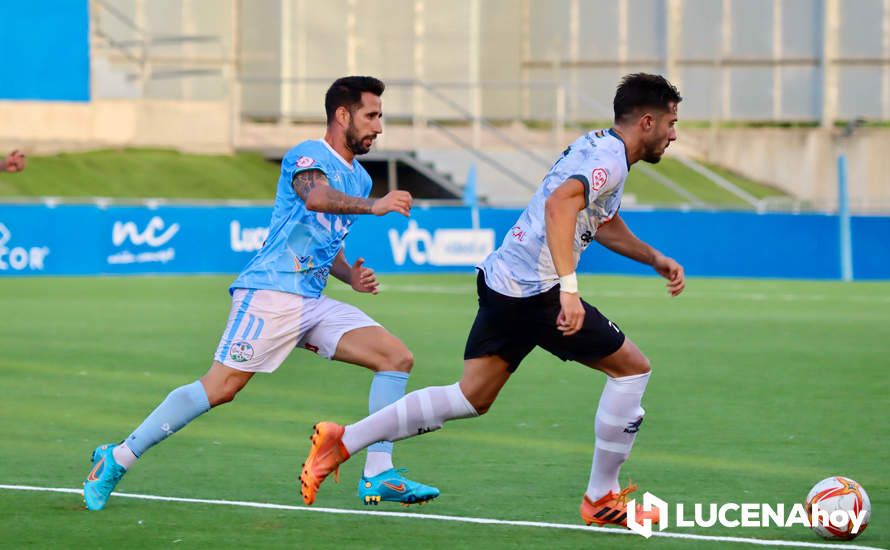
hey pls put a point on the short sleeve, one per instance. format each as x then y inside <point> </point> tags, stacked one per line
<point>596,174</point>
<point>305,163</point>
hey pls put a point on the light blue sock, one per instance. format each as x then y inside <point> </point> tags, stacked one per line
<point>181,406</point>
<point>387,387</point>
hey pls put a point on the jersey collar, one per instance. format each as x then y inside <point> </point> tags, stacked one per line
<point>616,136</point>
<point>336,154</point>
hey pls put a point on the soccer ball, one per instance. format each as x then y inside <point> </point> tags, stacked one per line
<point>838,497</point>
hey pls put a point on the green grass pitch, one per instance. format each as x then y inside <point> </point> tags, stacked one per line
<point>759,390</point>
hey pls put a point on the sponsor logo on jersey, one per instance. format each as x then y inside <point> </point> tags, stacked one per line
<point>598,178</point>
<point>304,162</point>
<point>518,233</point>
<point>303,263</point>
<point>600,133</point>
<point>321,274</point>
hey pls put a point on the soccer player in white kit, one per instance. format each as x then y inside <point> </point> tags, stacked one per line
<point>528,296</point>
<point>278,305</point>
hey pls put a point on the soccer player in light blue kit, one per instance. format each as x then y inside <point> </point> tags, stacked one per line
<point>277,301</point>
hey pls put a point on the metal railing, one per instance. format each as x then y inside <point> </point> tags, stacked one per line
<point>134,51</point>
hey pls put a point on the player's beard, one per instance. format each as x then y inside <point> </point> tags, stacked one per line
<point>653,152</point>
<point>355,142</point>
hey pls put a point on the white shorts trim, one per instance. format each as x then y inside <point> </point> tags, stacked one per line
<point>264,326</point>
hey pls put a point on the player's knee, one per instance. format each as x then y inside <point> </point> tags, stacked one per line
<point>481,405</point>
<point>401,360</point>
<point>406,361</point>
<point>221,397</point>
<point>220,394</point>
<point>631,365</point>
<point>639,365</point>
<point>228,395</point>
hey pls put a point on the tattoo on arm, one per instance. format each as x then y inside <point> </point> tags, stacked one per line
<point>331,200</point>
<point>341,203</point>
<point>305,182</point>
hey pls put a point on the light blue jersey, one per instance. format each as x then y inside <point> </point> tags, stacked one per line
<point>302,244</point>
<point>522,266</point>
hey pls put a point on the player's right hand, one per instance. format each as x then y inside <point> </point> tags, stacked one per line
<point>394,201</point>
<point>571,315</point>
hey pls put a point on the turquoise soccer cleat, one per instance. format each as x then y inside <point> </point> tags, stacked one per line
<point>103,478</point>
<point>392,486</point>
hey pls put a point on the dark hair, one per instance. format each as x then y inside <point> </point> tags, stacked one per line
<point>642,91</point>
<point>347,92</point>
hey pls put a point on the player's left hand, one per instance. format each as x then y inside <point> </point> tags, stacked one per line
<point>14,162</point>
<point>672,271</point>
<point>363,279</point>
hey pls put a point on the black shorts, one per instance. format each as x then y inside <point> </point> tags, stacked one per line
<point>511,328</point>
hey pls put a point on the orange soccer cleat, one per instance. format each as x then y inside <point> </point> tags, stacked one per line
<point>325,456</point>
<point>612,509</point>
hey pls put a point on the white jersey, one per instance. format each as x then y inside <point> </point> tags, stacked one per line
<point>522,266</point>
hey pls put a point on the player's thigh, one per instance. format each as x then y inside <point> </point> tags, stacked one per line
<point>502,327</point>
<point>629,360</point>
<point>262,329</point>
<point>598,337</point>
<point>375,348</point>
<point>344,323</point>
<point>483,379</point>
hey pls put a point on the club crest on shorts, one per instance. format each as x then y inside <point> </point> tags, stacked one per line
<point>241,351</point>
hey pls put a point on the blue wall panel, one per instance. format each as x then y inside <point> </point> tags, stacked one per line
<point>871,247</point>
<point>734,244</point>
<point>46,50</point>
<point>84,240</point>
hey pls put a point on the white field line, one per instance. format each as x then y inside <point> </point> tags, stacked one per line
<point>732,296</point>
<point>459,519</point>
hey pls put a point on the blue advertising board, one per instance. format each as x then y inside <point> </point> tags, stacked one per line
<point>89,239</point>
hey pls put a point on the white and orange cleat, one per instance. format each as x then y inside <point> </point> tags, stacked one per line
<point>325,456</point>
<point>612,509</point>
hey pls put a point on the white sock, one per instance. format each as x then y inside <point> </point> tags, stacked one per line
<point>124,456</point>
<point>417,413</point>
<point>618,418</point>
<point>377,462</point>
